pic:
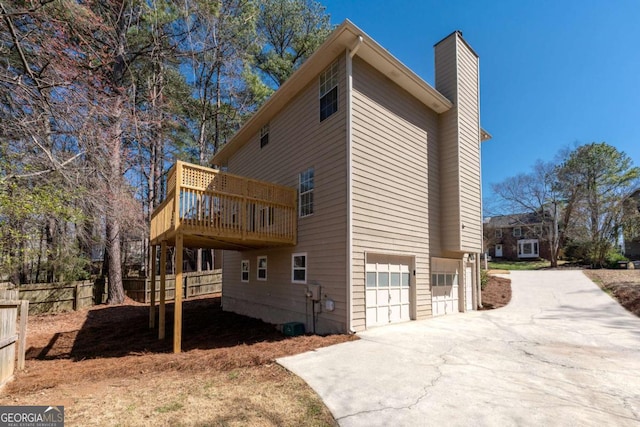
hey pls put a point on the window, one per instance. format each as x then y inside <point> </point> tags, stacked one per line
<point>264,135</point>
<point>444,279</point>
<point>387,275</point>
<point>537,230</point>
<point>262,268</point>
<point>305,192</point>
<point>244,270</point>
<point>498,233</point>
<point>517,231</point>
<point>528,248</point>
<point>329,91</point>
<point>299,268</point>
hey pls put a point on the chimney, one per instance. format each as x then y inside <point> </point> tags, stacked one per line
<point>457,79</point>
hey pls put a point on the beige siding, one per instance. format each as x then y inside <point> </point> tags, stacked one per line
<point>298,141</point>
<point>393,135</point>
<point>469,151</point>
<point>457,79</point>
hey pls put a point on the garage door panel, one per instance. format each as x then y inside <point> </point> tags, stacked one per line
<point>395,296</point>
<point>371,298</point>
<point>404,311</point>
<point>404,296</point>
<point>382,315</point>
<point>372,316</point>
<point>395,313</point>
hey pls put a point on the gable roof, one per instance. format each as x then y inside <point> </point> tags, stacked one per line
<point>513,220</point>
<point>345,36</point>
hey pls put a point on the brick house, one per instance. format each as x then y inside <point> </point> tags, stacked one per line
<point>516,236</point>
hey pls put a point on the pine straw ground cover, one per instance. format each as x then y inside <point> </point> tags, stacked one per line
<point>497,293</point>
<point>623,285</point>
<point>107,368</point>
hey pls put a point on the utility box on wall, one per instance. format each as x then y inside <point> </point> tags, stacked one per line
<point>313,292</point>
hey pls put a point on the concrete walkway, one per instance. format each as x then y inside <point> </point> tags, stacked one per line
<point>561,353</point>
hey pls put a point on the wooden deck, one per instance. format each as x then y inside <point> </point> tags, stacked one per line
<point>217,210</point>
<point>206,208</point>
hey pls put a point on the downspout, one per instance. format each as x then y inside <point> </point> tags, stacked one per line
<point>477,272</point>
<point>350,53</point>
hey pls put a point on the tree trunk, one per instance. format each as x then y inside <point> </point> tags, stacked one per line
<point>555,237</point>
<point>116,289</point>
<point>39,261</point>
<point>50,251</point>
<point>114,189</point>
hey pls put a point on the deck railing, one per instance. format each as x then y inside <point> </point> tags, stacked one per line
<point>209,203</point>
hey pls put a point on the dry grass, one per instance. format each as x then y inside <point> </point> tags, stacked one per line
<point>107,368</point>
<point>623,285</point>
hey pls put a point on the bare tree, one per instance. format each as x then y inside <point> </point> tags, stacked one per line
<point>536,193</point>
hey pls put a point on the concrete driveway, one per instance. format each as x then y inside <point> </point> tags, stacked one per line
<point>561,353</point>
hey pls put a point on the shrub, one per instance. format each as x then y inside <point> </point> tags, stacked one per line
<point>484,279</point>
<point>613,257</point>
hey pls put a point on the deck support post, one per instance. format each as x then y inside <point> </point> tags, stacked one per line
<point>177,308</point>
<point>163,282</point>
<point>152,277</point>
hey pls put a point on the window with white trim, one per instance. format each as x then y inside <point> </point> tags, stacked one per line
<point>517,231</point>
<point>329,91</point>
<point>305,192</point>
<point>262,268</point>
<point>244,270</point>
<point>537,230</point>
<point>528,248</point>
<point>498,233</point>
<point>264,135</point>
<point>299,268</point>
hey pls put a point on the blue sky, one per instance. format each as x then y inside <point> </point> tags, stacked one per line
<point>552,73</point>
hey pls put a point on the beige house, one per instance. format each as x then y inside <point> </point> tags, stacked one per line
<point>377,176</point>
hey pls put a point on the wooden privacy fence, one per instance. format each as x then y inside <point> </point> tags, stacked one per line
<point>10,333</point>
<point>56,297</point>
<point>197,283</point>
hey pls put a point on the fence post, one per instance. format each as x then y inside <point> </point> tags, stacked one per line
<point>76,297</point>
<point>22,337</point>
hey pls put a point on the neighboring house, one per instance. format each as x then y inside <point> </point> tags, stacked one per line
<point>632,239</point>
<point>517,236</point>
<point>388,225</point>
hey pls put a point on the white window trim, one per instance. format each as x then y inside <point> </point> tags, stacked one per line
<point>519,233</point>
<point>533,254</point>
<point>264,131</point>
<point>328,79</point>
<point>262,279</point>
<point>301,193</point>
<point>242,264</point>
<point>306,267</point>
<point>498,233</point>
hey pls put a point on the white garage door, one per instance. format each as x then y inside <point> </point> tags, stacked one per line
<point>444,293</point>
<point>387,293</point>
